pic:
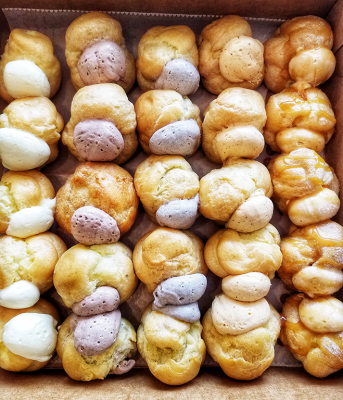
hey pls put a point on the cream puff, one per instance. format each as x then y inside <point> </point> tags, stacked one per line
<point>312,259</point>
<point>102,125</point>
<point>233,125</point>
<point>300,116</point>
<point>299,51</point>
<point>93,281</point>
<point>312,330</point>
<point>27,267</point>
<point>168,59</point>
<point>305,187</point>
<point>27,203</point>
<point>237,195</point>
<point>96,52</point>
<point>170,263</point>
<point>28,336</point>
<point>229,56</point>
<point>29,131</point>
<point>28,66</point>
<point>97,204</point>
<point>168,123</point>
<point>169,190</point>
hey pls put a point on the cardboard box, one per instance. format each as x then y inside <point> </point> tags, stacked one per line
<point>276,382</point>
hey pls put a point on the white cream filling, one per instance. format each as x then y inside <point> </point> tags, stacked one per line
<point>32,336</point>
<point>24,78</point>
<point>21,150</point>
<point>21,294</point>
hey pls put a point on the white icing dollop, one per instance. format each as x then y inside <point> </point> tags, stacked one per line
<point>21,150</point>
<point>23,78</point>
<point>31,335</point>
<point>31,221</point>
<point>21,294</point>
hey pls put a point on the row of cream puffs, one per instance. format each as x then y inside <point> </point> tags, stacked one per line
<point>168,57</point>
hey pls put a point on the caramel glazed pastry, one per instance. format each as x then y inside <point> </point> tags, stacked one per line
<point>29,131</point>
<point>94,340</point>
<point>237,195</point>
<point>96,52</point>
<point>299,51</point>
<point>241,327</point>
<point>171,264</point>
<point>97,204</point>
<point>102,125</point>
<point>229,56</point>
<point>28,332</point>
<point>28,66</point>
<point>168,123</point>
<point>27,203</point>
<point>312,330</point>
<point>168,59</point>
<point>312,259</point>
<point>169,190</point>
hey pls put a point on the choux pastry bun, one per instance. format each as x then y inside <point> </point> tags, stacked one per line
<point>96,52</point>
<point>231,253</point>
<point>173,349</point>
<point>300,116</point>
<point>102,125</point>
<point>299,51</point>
<point>168,123</point>
<point>233,125</point>
<point>237,195</point>
<point>305,187</point>
<point>29,131</point>
<point>312,259</point>
<point>169,190</point>
<point>28,336</point>
<point>27,203</point>
<point>241,336</point>
<point>93,280</point>
<point>28,66</point>
<point>165,253</point>
<point>27,267</point>
<point>168,59</point>
<point>312,331</point>
<point>229,56</point>
<point>97,204</point>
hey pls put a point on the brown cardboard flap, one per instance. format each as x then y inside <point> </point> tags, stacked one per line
<point>251,8</point>
<point>335,19</point>
<point>211,383</point>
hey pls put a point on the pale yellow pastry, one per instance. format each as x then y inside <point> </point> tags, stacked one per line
<point>312,331</point>
<point>96,52</point>
<point>169,190</point>
<point>229,253</point>
<point>237,195</point>
<point>102,125</point>
<point>168,59</point>
<point>168,123</point>
<point>233,125</point>
<point>312,259</point>
<point>305,187</point>
<point>83,269</point>
<point>28,66</point>
<point>87,368</point>
<point>173,350</point>
<point>299,51</point>
<point>247,355</point>
<point>43,312</point>
<point>97,204</point>
<point>26,203</point>
<point>300,116</point>
<point>166,253</point>
<point>229,56</point>
<point>29,131</point>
